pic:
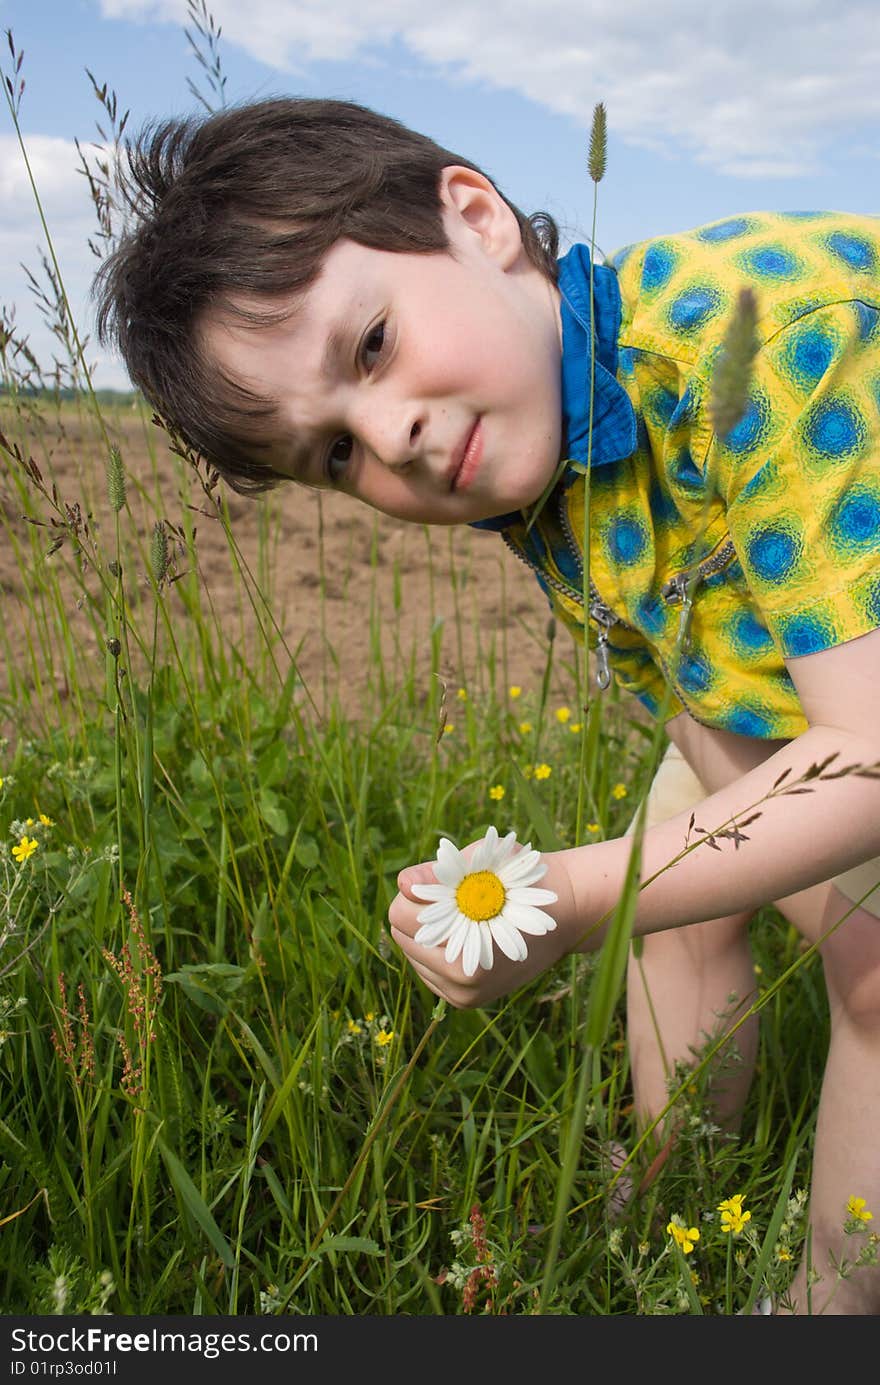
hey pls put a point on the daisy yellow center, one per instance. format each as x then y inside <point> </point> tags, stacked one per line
<point>480,895</point>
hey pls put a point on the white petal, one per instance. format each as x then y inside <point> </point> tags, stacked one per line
<point>450,867</point>
<point>485,946</point>
<point>432,913</point>
<point>520,895</point>
<point>433,934</point>
<point>526,864</point>
<point>485,853</point>
<point>527,919</point>
<point>509,939</point>
<point>470,957</point>
<point>457,936</point>
<point>504,850</point>
<point>431,891</point>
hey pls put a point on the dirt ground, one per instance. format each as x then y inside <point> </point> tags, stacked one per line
<point>331,562</point>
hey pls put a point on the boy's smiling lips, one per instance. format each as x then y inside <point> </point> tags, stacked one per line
<point>467,458</point>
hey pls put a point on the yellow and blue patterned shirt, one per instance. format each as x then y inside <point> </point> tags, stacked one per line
<point>771,534</point>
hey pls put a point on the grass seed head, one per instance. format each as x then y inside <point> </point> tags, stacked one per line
<point>159,555</point>
<point>598,155</point>
<point>116,480</point>
<point>733,370</point>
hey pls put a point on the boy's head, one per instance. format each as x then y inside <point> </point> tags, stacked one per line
<point>259,231</point>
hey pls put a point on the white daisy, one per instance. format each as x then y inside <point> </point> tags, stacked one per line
<point>489,897</point>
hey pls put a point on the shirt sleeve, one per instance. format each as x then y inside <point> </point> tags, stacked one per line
<point>800,477</point>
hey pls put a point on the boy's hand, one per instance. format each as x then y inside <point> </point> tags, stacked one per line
<point>448,979</point>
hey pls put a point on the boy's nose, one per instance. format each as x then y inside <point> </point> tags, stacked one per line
<point>395,436</point>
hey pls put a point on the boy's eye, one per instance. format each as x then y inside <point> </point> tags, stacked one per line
<point>374,343</point>
<point>338,457</point>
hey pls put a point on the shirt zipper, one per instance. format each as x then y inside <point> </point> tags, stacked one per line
<point>600,613</point>
<point>680,588</point>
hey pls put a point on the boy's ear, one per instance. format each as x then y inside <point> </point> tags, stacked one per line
<point>475,205</point>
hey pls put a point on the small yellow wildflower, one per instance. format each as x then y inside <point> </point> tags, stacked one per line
<point>46,821</point>
<point>26,848</point>
<point>353,1027</point>
<point>685,1237</point>
<point>543,771</point>
<point>384,1037</point>
<point>525,727</point>
<point>462,694</point>
<point>593,827</point>
<point>575,727</point>
<point>514,691</point>
<point>1,783</point>
<point>369,1016</point>
<point>619,791</point>
<point>782,1254</point>
<point>563,714</point>
<point>733,1218</point>
<point>856,1208</point>
<point>496,791</point>
<point>449,728</point>
<point>29,822</point>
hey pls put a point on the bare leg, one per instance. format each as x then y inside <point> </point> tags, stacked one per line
<point>846,1157</point>
<point>693,983</point>
<point>689,985</point>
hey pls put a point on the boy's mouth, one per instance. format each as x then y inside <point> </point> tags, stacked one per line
<point>467,459</point>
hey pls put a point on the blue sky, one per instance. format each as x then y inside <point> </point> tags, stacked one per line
<point>713,108</point>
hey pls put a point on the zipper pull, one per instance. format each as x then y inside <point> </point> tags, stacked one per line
<point>603,672</point>
<point>678,589</point>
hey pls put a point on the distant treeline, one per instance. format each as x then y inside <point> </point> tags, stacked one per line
<point>105,396</point>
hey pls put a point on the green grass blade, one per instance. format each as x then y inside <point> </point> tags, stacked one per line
<point>605,989</point>
<point>196,1205</point>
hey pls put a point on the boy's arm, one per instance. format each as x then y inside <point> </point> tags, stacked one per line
<point>798,840</point>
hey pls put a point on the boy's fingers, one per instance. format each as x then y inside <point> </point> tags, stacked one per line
<point>402,915</point>
<point>422,874</point>
<point>428,977</point>
<point>416,956</point>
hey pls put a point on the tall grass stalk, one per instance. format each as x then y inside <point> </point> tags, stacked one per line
<point>296,1130</point>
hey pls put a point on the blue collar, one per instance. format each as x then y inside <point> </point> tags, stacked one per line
<point>614,420</point>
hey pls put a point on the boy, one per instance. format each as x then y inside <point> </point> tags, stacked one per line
<point>311,291</point>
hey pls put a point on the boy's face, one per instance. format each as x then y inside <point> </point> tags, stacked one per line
<point>426,385</point>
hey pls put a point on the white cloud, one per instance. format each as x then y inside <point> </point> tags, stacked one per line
<point>751,88</point>
<point>747,87</point>
<point>70,215</point>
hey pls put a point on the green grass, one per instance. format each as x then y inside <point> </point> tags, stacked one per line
<point>221,1089</point>
<point>238,1136</point>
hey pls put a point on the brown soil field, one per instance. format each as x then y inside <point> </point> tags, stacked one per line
<point>326,560</point>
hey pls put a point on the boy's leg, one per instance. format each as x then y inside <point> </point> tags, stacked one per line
<point>689,985</point>
<point>846,1156</point>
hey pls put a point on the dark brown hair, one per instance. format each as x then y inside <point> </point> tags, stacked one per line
<point>248,201</point>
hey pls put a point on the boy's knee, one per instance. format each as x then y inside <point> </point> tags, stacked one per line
<point>851,957</point>
<point>701,942</point>
<point>849,944</point>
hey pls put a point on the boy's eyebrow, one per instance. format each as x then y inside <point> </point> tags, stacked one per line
<point>335,348</point>
<point>337,339</point>
<point>298,457</point>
